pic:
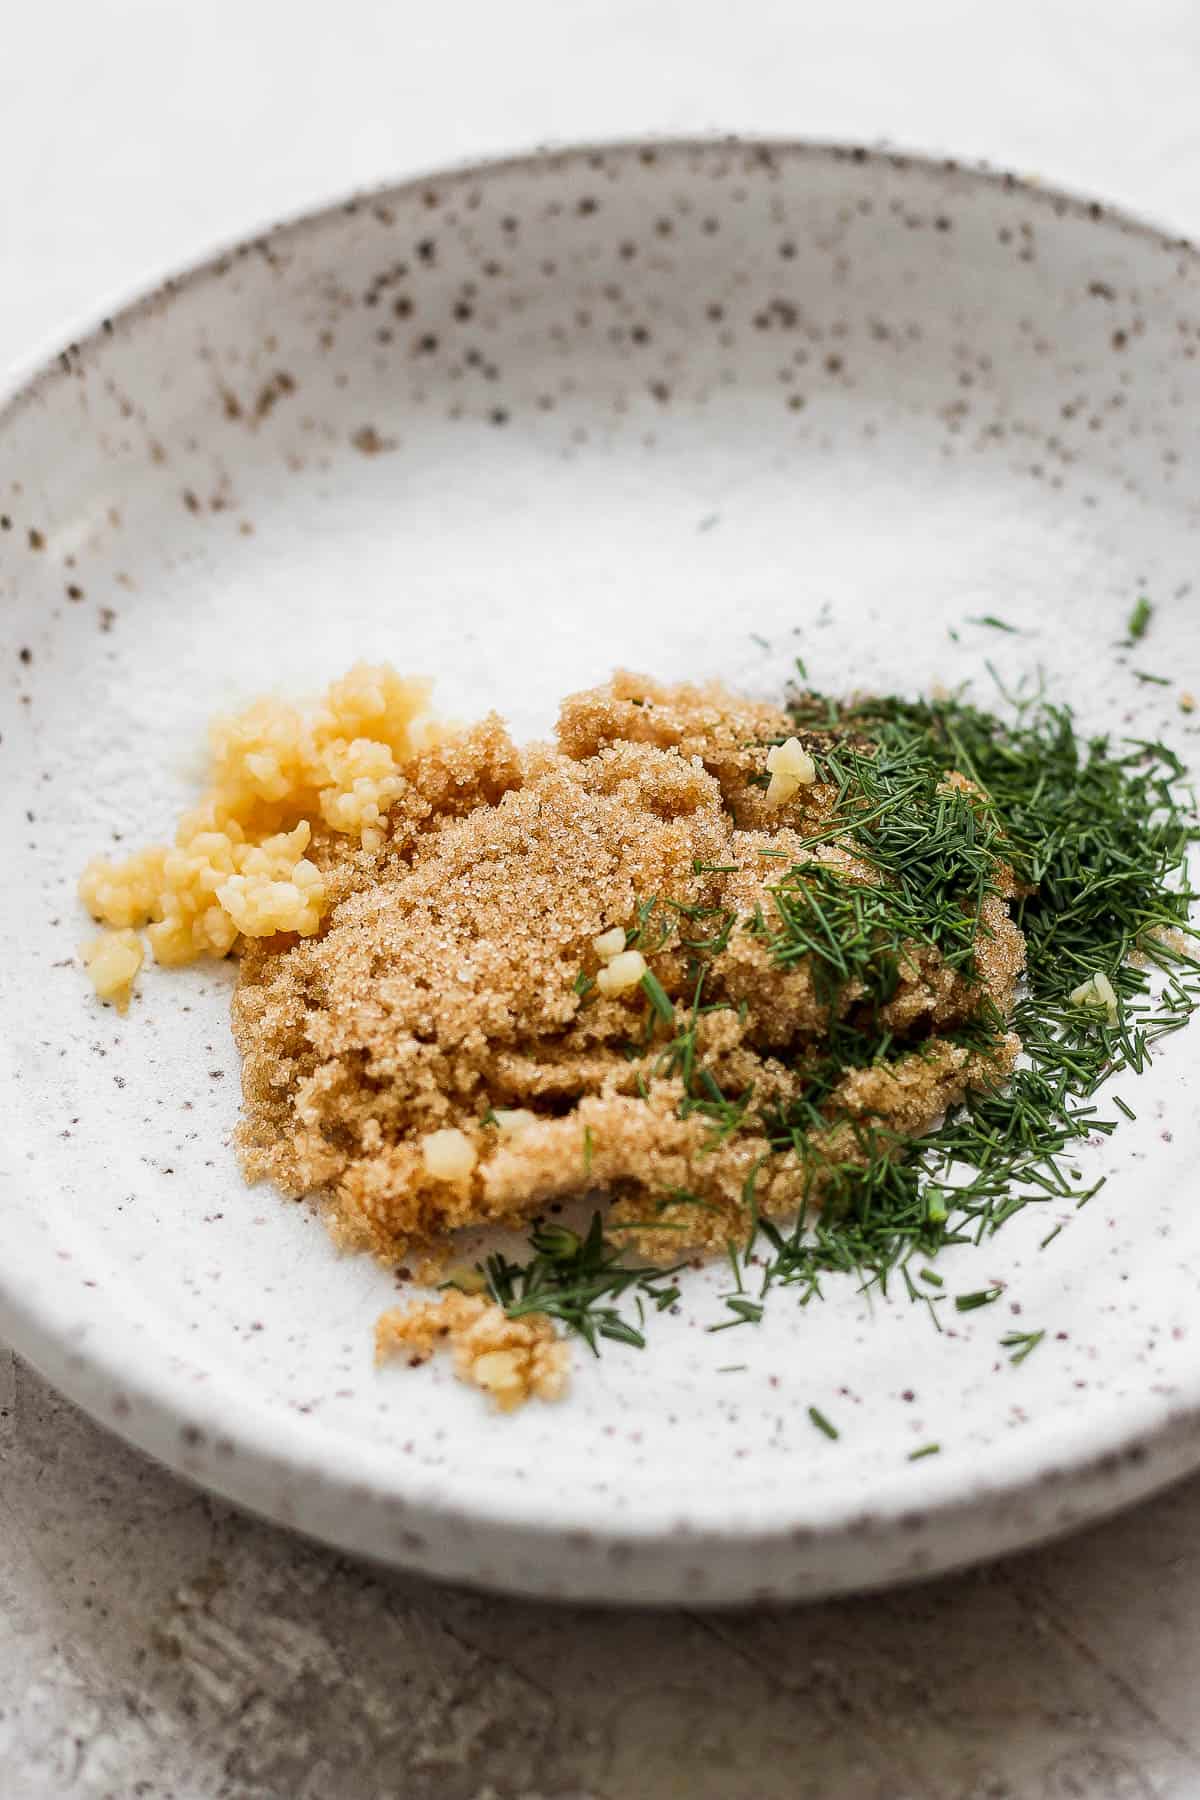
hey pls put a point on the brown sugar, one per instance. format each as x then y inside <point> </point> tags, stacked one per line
<point>454,1048</point>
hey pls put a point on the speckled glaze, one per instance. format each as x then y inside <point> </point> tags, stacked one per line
<point>697,408</point>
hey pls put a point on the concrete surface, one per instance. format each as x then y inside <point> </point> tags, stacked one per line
<point>152,1642</point>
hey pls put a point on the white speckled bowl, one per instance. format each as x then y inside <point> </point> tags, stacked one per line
<point>509,426</point>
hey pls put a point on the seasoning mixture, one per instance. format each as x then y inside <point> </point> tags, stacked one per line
<point>724,962</point>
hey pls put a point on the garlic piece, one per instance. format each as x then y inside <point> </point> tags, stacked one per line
<point>609,943</point>
<point>621,972</point>
<point>790,768</point>
<point>1097,991</point>
<point>448,1155</point>
<point>501,1374</point>
<point>511,1121</point>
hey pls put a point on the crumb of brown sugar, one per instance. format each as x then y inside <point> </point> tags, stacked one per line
<point>512,1360</point>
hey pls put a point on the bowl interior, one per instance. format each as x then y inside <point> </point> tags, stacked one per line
<point>700,410</point>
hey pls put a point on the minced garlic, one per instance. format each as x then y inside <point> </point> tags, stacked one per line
<point>448,1155</point>
<point>609,943</point>
<point>509,1121</point>
<point>238,866</point>
<point>790,768</point>
<point>621,972</point>
<point>512,1360</point>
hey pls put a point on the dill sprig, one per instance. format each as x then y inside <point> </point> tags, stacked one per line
<point>575,1280</point>
<point>1020,1344</point>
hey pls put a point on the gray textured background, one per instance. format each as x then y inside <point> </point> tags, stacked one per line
<point>152,1642</point>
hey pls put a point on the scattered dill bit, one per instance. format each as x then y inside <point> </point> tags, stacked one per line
<point>1021,1344</point>
<point>1151,680</point>
<point>1139,619</point>
<point>801,670</point>
<point>1122,1106</point>
<point>932,1278</point>
<point>746,1312</point>
<point>584,983</point>
<point>965,1303</point>
<point>822,1423</point>
<point>731,1368</point>
<point>1049,1237</point>
<point>762,642</point>
<point>925,1450</point>
<point>587,1149</point>
<point>995,623</point>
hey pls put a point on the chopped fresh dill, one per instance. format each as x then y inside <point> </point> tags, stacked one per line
<point>1152,680</point>
<point>822,1423</point>
<point>1096,831</point>
<point>1139,619</point>
<point>925,1450</point>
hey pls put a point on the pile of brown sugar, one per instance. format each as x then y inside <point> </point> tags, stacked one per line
<point>500,1009</point>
